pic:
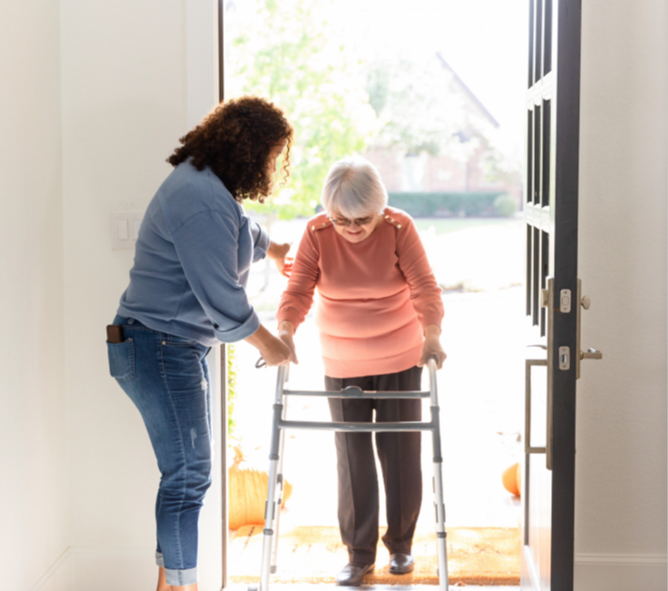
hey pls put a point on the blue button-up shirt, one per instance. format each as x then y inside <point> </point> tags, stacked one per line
<point>192,260</point>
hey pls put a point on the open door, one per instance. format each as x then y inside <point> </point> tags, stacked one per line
<point>553,299</point>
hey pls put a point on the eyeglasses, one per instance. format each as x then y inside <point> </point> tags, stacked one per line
<point>358,221</point>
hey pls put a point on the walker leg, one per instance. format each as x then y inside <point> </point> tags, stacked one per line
<point>439,504</point>
<point>280,491</point>
<point>441,536</point>
<point>271,510</point>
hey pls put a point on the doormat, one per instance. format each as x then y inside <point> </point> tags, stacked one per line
<point>476,556</point>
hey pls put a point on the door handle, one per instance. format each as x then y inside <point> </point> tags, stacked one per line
<point>584,302</point>
<point>591,354</point>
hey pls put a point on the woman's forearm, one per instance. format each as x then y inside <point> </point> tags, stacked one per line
<point>277,251</point>
<point>260,338</point>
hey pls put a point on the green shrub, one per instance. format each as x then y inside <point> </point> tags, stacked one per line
<point>231,387</point>
<point>505,206</point>
<point>426,205</point>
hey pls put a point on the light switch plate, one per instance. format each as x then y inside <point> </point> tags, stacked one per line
<point>125,229</point>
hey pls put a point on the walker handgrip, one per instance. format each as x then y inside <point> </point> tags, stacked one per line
<point>432,366</point>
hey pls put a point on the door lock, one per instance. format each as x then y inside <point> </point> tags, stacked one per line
<point>565,301</point>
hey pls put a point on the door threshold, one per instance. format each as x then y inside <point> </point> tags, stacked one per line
<point>332,587</point>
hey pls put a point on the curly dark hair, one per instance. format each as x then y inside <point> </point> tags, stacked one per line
<point>235,141</point>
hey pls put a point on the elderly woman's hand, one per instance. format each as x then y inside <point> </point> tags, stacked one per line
<point>278,253</point>
<point>286,330</point>
<point>432,347</point>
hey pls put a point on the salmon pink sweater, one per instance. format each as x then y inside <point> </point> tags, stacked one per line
<point>374,297</point>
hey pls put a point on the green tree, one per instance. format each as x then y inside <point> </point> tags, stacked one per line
<point>288,52</point>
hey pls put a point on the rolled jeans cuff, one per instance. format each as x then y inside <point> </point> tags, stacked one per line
<point>187,576</point>
<point>182,577</point>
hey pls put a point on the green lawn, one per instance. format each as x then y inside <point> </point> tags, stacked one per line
<point>447,225</point>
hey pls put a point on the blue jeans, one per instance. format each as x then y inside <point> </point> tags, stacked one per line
<point>167,378</point>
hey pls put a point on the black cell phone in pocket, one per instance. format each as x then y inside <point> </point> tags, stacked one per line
<point>114,333</point>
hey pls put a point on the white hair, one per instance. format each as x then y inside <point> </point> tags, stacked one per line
<point>353,188</point>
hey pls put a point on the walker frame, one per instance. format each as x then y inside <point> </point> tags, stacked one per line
<point>280,424</point>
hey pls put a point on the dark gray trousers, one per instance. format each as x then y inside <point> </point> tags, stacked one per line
<point>399,456</point>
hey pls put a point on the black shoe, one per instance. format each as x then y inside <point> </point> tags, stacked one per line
<point>400,564</point>
<point>351,575</point>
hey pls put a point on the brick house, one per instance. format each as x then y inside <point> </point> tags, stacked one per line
<point>444,173</point>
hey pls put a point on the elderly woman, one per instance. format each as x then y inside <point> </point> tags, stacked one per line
<point>379,312</point>
<point>187,294</point>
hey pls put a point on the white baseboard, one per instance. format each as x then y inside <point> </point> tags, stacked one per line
<point>621,572</point>
<point>104,569</point>
<point>111,569</point>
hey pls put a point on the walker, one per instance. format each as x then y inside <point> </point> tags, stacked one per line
<point>279,424</point>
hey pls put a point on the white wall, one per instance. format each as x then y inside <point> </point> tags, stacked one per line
<point>621,435</point>
<point>33,514</point>
<point>126,101</point>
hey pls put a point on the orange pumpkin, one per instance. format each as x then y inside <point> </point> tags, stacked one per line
<point>512,479</point>
<point>248,492</point>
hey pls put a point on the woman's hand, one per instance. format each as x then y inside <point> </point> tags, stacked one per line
<point>432,347</point>
<point>278,253</point>
<point>273,350</point>
<point>286,331</point>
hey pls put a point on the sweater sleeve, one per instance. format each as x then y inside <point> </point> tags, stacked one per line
<point>207,246</point>
<point>413,262</point>
<point>260,241</point>
<point>297,298</point>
